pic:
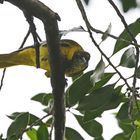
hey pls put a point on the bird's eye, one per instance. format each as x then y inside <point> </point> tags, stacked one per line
<point>81,57</point>
<point>82,54</point>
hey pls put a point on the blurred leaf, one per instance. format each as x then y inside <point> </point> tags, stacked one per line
<point>127,5</point>
<point>17,126</point>
<point>120,136</point>
<point>136,134</point>
<point>137,123</point>
<point>93,128</point>
<point>134,28</point>
<point>72,134</point>
<point>42,133</point>
<point>128,58</point>
<point>86,2</point>
<point>97,98</point>
<point>108,30</point>
<point>98,73</point>
<point>32,134</point>
<point>78,89</point>
<point>74,29</point>
<point>43,98</point>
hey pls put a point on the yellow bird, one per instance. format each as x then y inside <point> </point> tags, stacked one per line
<point>75,58</point>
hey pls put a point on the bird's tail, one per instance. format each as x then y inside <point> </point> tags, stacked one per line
<point>15,58</point>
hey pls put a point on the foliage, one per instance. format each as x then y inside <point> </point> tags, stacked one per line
<point>126,5</point>
<point>91,94</point>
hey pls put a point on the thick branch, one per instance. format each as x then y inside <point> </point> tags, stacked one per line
<point>49,19</point>
<point>35,8</point>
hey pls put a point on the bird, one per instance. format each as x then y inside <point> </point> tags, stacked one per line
<point>75,58</point>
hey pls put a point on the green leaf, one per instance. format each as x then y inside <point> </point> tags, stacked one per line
<point>98,73</point>
<point>32,134</point>
<point>42,133</point>
<point>78,89</point>
<point>42,98</point>
<point>90,115</point>
<point>127,5</point>
<point>116,99</point>
<point>96,99</point>
<point>134,28</point>
<point>127,128</point>
<point>138,72</point>
<point>17,126</point>
<point>123,112</point>
<point>105,78</point>
<point>72,134</point>
<point>14,115</point>
<point>76,76</point>
<point>105,35</point>
<point>99,138</point>
<point>128,58</point>
<point>32,118</point>
<point>120,136</point>
<point>136,134</point>
<point>113,103</point>
<point>93,128</point>
<point>86,2</point>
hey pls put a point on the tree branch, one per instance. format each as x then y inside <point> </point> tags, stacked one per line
<point>49,19</point>
<point>133,38</point>
<point>32,27</point>
<point>136,48</point>
<point>83,13</point>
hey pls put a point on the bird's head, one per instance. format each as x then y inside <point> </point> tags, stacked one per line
<point>78,63</point>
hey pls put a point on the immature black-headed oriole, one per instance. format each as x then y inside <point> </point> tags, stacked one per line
<point>74,56</point>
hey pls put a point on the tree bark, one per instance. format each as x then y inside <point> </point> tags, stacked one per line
<point>49,19</point>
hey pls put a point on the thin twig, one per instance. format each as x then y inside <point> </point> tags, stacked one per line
<point>123,21</point>
<point>36,122</point>
<point>80,5</point>
<point>21,46</point>
<point>112,36</point>
<point>136,47</point>
<point>35,36</point>
<point>50,135</point>
<point>2,78</point>
<point>131,35</point>
<point>25,39</point>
